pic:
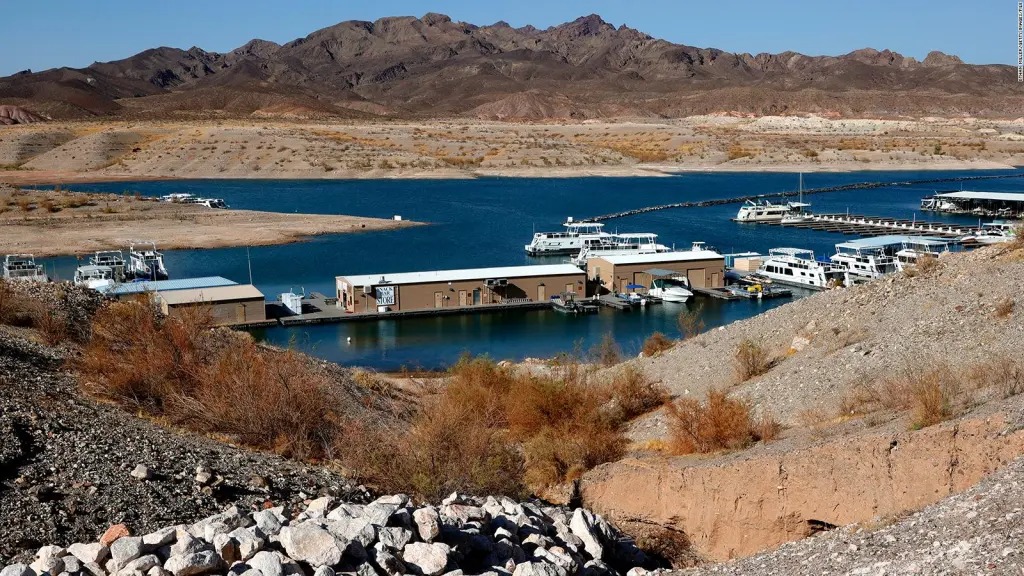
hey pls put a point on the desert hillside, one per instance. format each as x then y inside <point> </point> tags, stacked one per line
<point>435,67</point>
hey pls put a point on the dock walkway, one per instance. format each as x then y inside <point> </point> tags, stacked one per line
<point>876,226</point>
<point>317,309</point>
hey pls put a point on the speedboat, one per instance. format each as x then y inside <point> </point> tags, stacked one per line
<point>995,232</point>
<point>23,268</point>
<point>620,245</point>
<point>797,267</point>
<point>569,241</point>
<point>95,277</point>
<point>673,289</point>
<point>144,262</point>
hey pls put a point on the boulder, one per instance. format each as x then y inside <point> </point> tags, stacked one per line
<point>161,537</point>
<point>268,563</point>
<point>227,548</point>
<point>113,533</point>
<point>267,522</point>
<point>248,542</point>
<point>426,559</point>
<point>124,550</point>
<point>537,569</point>
<point>192,564</point>
<point>312,544</point>
<point>86,553</point>
<point>428,523</point>
<point>388,563</point>
<point>586,526</point>
<point>140,565</point>
<point>394,539</point>
<point>365,569</point>
<point>185,543</point>
<point>346,511</point>
<point>158,571</point>
<point>324,571</point>
<point>17,570</point>
<point>72,565</point>
<point>51,565</point>
<point>318,508</point>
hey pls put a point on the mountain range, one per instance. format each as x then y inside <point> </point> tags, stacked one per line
<point>435,67</point>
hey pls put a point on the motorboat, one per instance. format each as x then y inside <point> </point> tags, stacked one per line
<point>113,259</point>
<point>95,277</point>
<point>620,245</point>
<point>995,232</point>
<point>23,268</point>
<point>569,241</point>
<point>797,267</point>
<point>184,198</point>
<point>145,262</point>
<point>759,291</point>
<point>672,289</point>
<point>567,303</point>
<point>916,247</point>
<point>867,262</point>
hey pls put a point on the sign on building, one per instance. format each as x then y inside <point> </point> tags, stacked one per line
<point>385,295</point>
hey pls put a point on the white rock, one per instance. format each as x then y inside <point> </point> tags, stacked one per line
<point>388,563</point>
<point>324,571</point>
<point>268,522</point>
<point>51,565</point>
<point>140,565</point>
<point>191,564</point>
<point>268,563</point>
<point>311,544</point>
<point>537,569</point>
<point>226,547</point>
<point>161,537</point>
<point>124,550</point>
<point>248,543</point>
<point>426,559</point>
<point>158,571</point>
<point>17,570</point>
<point>584,526</point>
<point>94,552</point>
<point>394,539</point>
<point>142,472</point>
<point>428,523</point>
<point>318,508</point>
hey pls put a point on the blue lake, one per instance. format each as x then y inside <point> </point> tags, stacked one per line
<point>486,222</point>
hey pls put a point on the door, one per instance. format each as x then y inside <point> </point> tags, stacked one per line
<point>542,293</point>
<point>476,296</point>
<point>240,313</point>
<point>622,285</point>
<point>570,288</point>
<point>716,280</point>
<point>462,298</point>
<point>696,278</point>
<point>438,301</point>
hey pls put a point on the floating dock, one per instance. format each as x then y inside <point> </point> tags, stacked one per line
<point>317,309</point>
<point>876,226</point>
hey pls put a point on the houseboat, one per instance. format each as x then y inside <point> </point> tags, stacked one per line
<point>23,268</point>
<point>113,259</point>
<point>916,247</point>
<point>95,277</point>
<point>620,245</point>
<point>863,260</point>
<point>145,262</point>
<point>569,241</point>
<point>797,267</point>
<point>995,232</point>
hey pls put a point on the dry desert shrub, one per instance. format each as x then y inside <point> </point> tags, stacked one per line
<point>1001,375</point>
<point>606,352</point>
<point>1004,307</point>
<point>633,394</point>
<point>718,423</point>
<point>926,264</point>
<point>690,322</point>
<point>656,344</point>
<point>751,359</point>
<point>931,395</point>
<point>667,547</point>
<point>21,310</point>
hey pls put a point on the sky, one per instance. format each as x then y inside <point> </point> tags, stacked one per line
<point>42,34</point>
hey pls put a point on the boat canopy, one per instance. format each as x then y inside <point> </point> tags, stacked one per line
<point>662,272</point>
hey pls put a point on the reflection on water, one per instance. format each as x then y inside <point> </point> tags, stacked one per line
<point>486,222</point>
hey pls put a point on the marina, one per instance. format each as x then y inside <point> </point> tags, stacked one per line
<point>874,225</point>
<point>485,223</point>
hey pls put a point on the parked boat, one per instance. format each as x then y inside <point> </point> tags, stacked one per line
<point>113,259</point>
<point>567,303</point>
<point>673,289</point>
<point>765,211</point>
<point>864,261</point>
<point>23,268</point>
<point>797,267</point>
<point>183,198</point>
<point>916,247</point>
<point>620,245</point>
<point>145,262</point>
<point>995,232</point>
<point>569,241</point>
<point>759,291</point>
<point>95,277</point>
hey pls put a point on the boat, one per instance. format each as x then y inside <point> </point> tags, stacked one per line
<point>620,245</point>
<point>864,261</point>
<point>916,247</point>
<point>184,198</point>
<point>672,289</point>
<point>113,259</point>
<point>95,276</point>
<point>567,303</point>
<point>758,291</point>
<point>797,267</point>
<point>23,268</point>
<point>995,232</point>
<point>765,211</point>
<point>145,262</point>
<point>570,241</point>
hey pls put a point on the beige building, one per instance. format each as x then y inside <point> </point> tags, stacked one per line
<point>450,289</point>
<point>228,305</point>
<point>703,268</point>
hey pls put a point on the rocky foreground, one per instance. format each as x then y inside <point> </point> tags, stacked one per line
<point>386,537</point>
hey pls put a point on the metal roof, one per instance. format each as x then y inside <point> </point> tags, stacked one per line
<point>213,294</point>
<point>681,256</point>
<point>168,285</point>
<point>875,242</point>
<point>463,275</point>
<point>998,196</point>
<point>662,272</point>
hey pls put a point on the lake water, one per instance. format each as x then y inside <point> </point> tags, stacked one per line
<point>486,222</point>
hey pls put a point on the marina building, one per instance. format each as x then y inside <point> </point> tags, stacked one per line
<point>126,289</point>
<point>234,305</point>
<point>703,268</point>
<point>457,289</point>
<point>979,203</point>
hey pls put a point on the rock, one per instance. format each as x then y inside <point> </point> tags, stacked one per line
<point>428,523</point>
<point>204,475</point>
<point>388,563</point>
<point>364,569</point>
<point>142,472</point>
<point>324,571</point>
<point>426,559</point>
<point>394,539</point>
<point>462,513</point>
<point>113,533</point>
<point>93,569</point>
<point>161,537</point>
<point>638,571</point>
<point>537,569</point>
<point>72,565</point>
<point>311,544</point>
<point>186,543</point>
<point>17,570</point>
<point>191,564</point>
<point>346,512</point>
<point>212,529</point>
<point>268,563</point>
<point>227,548</point>
<point>158,571</point>
<point>140,565</point>
<point>124,550</point>
<point>267,522</point>
<point>51,565</point>
<point>318,508</point>
<point>584,525</point>
<point>248,543</point>
<point>377,513</point>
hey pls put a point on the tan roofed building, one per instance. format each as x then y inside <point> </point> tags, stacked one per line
<point>228,305</point>
<point>703,268</point>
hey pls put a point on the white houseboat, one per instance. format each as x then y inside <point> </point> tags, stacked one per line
<point>23,268</point>
<point>797,267</point>
<point>917,246</point>
<point>995,232</point>
<point>569,241</point>
<point>864,259</point>
<point>95,277</point>
<point>620,245</point>
<point>145,262</point>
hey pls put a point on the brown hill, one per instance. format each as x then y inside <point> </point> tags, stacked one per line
<point>433,66</point>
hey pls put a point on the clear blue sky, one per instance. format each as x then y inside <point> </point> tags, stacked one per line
<point>41,34</point>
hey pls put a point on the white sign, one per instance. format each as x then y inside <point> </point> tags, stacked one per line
<point>385,295</point>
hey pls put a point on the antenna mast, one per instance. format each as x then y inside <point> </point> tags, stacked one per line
<point>1020,41</point>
